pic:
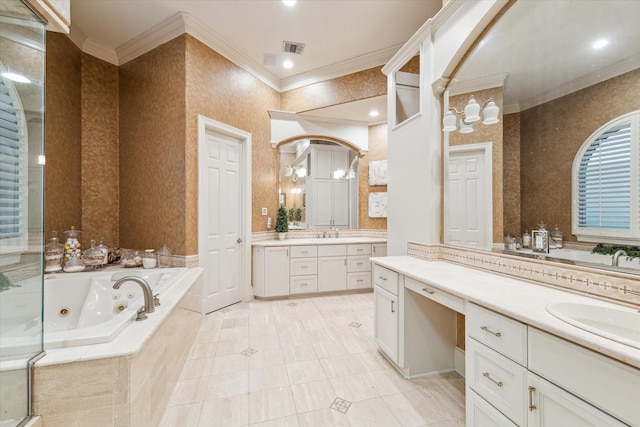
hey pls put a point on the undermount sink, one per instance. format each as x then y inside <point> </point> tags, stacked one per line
<point>619,325</point>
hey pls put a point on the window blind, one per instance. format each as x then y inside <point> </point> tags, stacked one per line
<point>604,176</point>
<point>13,158</point>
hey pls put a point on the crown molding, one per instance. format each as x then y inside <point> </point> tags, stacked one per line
<point>575,85</point>
<point>487,82</point>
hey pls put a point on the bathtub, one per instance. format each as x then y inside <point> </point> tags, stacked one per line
<point>83,308</point>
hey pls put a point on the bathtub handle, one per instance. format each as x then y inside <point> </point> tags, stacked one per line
<point>156,300</point>
<point>142,314</point>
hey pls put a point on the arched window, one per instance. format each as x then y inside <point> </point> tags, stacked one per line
<point>13,170</point>
<point>606,183</point>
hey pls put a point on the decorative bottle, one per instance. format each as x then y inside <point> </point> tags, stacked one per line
<point>53,254</point>
<point>526,239</point>
<point>556,236</point>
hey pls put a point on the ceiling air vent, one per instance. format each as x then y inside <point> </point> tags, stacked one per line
<point>292,47</point>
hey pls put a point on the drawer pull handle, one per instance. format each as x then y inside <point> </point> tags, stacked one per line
<point>487,375</point>
<point>485,328</point>
<point>429,291</point>
<point>392,310</point>
<point>382,278</point>
<point>304,284</point>
<point>304,252</point>
<point>303,266</point>
<point>358,263</point>
<point>359,280</point>
<point>532,407</point>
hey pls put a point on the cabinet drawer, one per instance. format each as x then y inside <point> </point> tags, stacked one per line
<point>481,414</point>
<point>386,279</point>
<point>358,280</point>
<point>304,266</point>
<point>500,381</point>
<point>453,302</point>
<point>608,384</point>
<point>505,335</point>
<point>358,263</point>
<point>332,250</point>
<point>303,284</point>
<point>359,249</point>
<point>304,251</point>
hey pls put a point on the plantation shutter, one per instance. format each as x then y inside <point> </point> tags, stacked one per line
<point>604,176</point>
<point>13,158</point>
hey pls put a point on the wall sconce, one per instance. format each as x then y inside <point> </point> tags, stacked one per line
<point>346,173</point>
<point>295,172</point>
<point>470,115</point>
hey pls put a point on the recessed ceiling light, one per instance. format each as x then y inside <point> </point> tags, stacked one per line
<point>600,43</point>
<point>374,113</point>
<point>287,64</point>
<point>289,3</point>
<point>16,77</point>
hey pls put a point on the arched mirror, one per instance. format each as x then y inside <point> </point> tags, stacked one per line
<point>318,184</point>
<point>558,71</point>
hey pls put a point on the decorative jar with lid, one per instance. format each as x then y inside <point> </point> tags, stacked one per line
<point>72,244</point>
<point>53,254</point>
<point>149,259</point>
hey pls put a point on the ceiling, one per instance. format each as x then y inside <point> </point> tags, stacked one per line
<point>340,37</point>
<point>546,50</point>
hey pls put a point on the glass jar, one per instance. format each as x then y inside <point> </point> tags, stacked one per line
<point>93,257</point>
<point>72,244</point>
<point>164,257</point>
<point>131,258</point>
<point>556,237</point>
<point>105,251</point>
<point>53,254</point>
<point>149,259</point>
<point>74,264</point>
<point>526,239</point>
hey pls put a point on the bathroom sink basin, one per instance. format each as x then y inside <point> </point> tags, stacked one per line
<point>620,325</point>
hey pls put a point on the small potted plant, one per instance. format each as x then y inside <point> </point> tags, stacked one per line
<point>282,224</point>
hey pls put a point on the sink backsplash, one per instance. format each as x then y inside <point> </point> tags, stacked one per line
<point>603,284</point>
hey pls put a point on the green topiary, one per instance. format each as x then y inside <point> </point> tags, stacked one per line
<point>282,225</point>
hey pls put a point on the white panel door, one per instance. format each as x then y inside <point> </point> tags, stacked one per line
<point>340,203</point>
<point>322,203</point>
<point>466,200</point>
<point>220,169</point>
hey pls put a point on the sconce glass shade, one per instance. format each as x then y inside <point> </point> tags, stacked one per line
<point>472,111</point>
<point>490,114</point>
<point>288,171</point>
<point>449,122</point>
<point>301,172</point>
<point>465,127</point>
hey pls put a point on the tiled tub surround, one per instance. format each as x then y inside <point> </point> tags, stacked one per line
<point>609,285</point>
<point>128,381</point>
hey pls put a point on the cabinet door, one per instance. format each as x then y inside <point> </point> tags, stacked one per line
<point>322,205</point>
<point>340,203</point>
<point>551,406</point>
<point>386,322</point>
<point>379,249</point>
<point>324,164</point>
<point>481,414</point>
<point>276,271</point>
<point>332,274</point>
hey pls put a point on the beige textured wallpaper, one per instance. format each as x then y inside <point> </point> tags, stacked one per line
<point>361,85</point>
<point>153,169</point>
<point>552,133</point>
<point>220,90</point>
<point>63,129</point>
<point>493,134</point>
<point>377,151</point>
<point>100,163</point>
<point>122,141</point>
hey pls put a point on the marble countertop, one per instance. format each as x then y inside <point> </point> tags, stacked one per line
<point>325,241</point>
<point>518,299</point>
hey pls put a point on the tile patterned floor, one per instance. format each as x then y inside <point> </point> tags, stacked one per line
<point>312,362</point>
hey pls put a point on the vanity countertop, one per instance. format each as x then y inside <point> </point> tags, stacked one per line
<point>518,299</point>
<point>321,241</point>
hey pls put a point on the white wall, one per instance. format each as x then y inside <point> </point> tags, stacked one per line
<point>415,147</point>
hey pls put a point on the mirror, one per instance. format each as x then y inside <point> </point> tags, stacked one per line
<point>318,184</point>
<point>407,86</point>
<point>559,71</point>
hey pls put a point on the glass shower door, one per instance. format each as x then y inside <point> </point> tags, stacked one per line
<point>22,66</point>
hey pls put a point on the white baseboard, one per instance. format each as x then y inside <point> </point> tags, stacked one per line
<point>459,360</point>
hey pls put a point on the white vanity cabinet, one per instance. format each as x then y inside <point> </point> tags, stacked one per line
<point>332,268</point>
<point>300,269</point>
<point>386,320</point>
<point>271,271</point>
<point>531,378</point>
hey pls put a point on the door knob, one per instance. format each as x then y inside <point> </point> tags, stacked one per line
<point>239,240</point>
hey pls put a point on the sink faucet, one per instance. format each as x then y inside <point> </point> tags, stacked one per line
<point>149,306</point>
<point>614,260</point>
